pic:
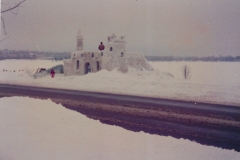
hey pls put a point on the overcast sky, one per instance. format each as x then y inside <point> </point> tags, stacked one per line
<point>152,27</point>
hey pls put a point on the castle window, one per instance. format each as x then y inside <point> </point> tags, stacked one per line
<point>78,64</point>
<point>81,55</point>
<point>111,48</point>
<point>121,54</point>
<point>79,43</point>
<point>92,54</point>
<point>98,65</point>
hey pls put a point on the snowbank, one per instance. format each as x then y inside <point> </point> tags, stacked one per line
<point>211,82</point>
<point>40,129</point>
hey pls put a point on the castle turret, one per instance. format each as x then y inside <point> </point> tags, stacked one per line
<point>79,38</point>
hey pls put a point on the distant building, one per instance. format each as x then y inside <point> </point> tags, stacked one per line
<point>113,56</point>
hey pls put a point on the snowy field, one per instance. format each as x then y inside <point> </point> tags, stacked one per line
<point>43,130</point>
<point>211,82</point>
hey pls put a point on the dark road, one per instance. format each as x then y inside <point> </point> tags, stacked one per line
<point>208,124</point>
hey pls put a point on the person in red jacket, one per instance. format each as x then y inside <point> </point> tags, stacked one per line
<point>101,47</point>
<point>52,73</point>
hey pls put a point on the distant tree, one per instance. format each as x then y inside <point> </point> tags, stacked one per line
<point>8,8</point>
<point>237,58</point>
<point>229,58</point>
<point>186,72</point>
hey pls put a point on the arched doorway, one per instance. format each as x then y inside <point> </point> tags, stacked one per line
<point>78,64</point>
<point>87,68</point>
<point>98,66</point>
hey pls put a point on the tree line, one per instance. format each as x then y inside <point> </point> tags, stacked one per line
<point>25,54</point>
<point>194,58</point>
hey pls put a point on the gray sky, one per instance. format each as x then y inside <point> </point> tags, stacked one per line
<point>152,27</point>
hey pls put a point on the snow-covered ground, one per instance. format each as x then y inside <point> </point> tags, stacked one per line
<point>211,82</point>
<point>41,129</point>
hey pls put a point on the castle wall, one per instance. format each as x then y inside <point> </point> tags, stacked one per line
<point>114,58</point>
<point>111,61</point>
<point>116,47</point>
<point>121,62</point>
<point>79,60</point>
<point>68,67</point>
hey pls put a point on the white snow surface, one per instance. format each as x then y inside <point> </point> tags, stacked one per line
<point>210,82</point>
<point>41,129</point>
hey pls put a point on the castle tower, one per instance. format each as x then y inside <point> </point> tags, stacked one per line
<point>116,45</point>
<point>79,38</point>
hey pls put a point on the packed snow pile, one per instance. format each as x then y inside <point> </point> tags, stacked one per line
<point>210,82</point>
<point>41,129</point>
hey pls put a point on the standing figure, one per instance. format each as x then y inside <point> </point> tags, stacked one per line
<point>52,73</point>
<point>101,47</point>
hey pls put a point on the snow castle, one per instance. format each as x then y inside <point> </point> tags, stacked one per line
<point>113,56</point>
